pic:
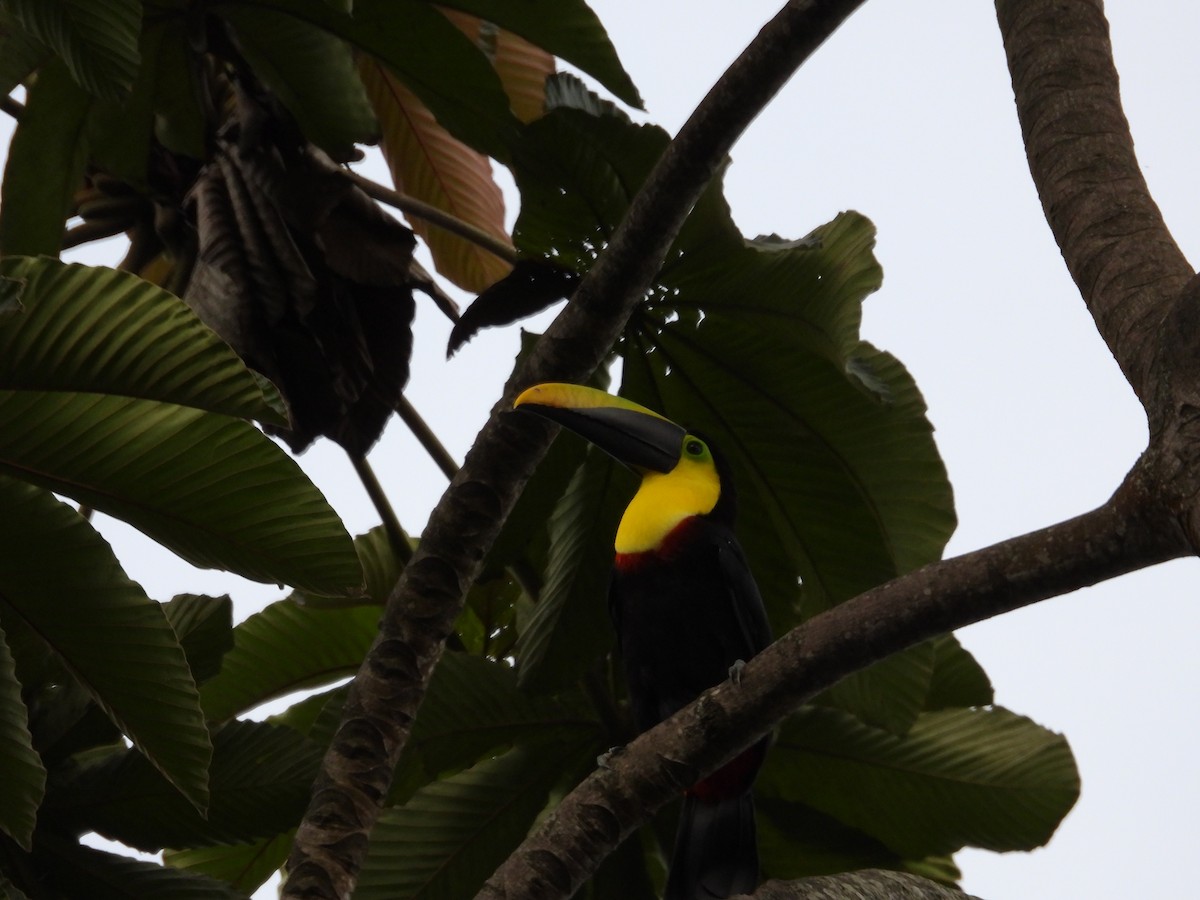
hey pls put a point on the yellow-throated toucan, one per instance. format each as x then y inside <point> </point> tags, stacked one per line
<point>686,611</point>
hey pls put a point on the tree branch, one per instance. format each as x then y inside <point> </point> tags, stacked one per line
<point>1125,534</point>
<point>1108,227</point>
<point>331,842</point>
<point>866,884</point>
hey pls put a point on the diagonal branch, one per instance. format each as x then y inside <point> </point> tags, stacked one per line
<point>1110,231</point>
<point>1127,533</point>
<point>331,842</point>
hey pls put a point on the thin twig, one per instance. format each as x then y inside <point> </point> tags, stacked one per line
<point>12,106</point>
<point>419,209</point>
<point>95,230</point>
<point>397,536</point>
<point>427,439</point>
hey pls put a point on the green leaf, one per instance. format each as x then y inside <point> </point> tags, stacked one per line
<point>204,626</point>
<point>98,330</point>
<point>286,648</point>
<point>310,71</point>
<point>957,679</point>
<point>45,164</point>
<point>436,60</point>
<point>20,53</point>
<point>570,626</point>
<point>568,29</point>
<point>24,780</point>
<point>71,870</point>
<point>260,784</point>
<point>473,707</point>
<point>796,841</point>
<point>59,579</point>
<point>453,833</point>
<point>211,488</point>
<point>97,39</point>
<point>983,777</point>
<point>244,866</point>
<point>179,116</point>
<point>577,173</point>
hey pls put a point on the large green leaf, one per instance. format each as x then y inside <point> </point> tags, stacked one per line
<point>45,164</point>
<point>310,71</point>
<point>436,60</point>
<point>205,629</point>
<point>97,39</point>
<point>568,29</point>
<point>577,173</point>
<point>60,581</point>
<point>98,330</point>
<point>244,866</point>
<point>957,679</point>
<point>570,625</point>
<point>796,841</point>
<point>979,777</point>
<point>71,870</point>
<point>755,343</point>
<point>24,779</point>
<point>285,648</point>
<point>20,53</point>
<point>211,488</point>
<point>260,783</point>
<point>473,707</point>
<point>450,836</point>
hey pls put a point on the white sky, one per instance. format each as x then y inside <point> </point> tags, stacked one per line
<point>906,115</point>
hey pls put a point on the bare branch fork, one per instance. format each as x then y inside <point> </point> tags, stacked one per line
<point>1107,226</point>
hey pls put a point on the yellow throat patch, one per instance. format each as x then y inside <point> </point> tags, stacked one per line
<point>665,500</point>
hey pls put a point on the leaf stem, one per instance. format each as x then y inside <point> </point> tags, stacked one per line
<point>397,536</point>
<point>13,107</point>
<point>413,207</point>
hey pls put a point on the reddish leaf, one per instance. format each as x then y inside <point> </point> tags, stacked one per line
<point>428,163</point>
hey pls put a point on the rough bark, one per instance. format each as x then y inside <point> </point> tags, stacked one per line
<point>331,842</point>
<point>869,884</point>
<point>1112,236</point>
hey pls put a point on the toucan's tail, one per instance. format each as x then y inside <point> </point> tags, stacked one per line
<point>716,849</point>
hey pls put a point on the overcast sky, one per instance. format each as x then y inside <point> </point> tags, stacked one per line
<point>906,115</point>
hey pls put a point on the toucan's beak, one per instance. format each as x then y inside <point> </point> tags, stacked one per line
<point>638,437</point>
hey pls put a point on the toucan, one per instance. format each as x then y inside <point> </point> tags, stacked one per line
<point>686,610</point>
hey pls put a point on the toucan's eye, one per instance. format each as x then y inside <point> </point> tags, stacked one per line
<point>694,447</point>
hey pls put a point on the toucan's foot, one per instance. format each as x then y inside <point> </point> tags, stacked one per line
<point>735,671</point>
<point>603,758</point>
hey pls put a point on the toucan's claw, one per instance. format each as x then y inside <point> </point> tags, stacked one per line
<point>735,671</point>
